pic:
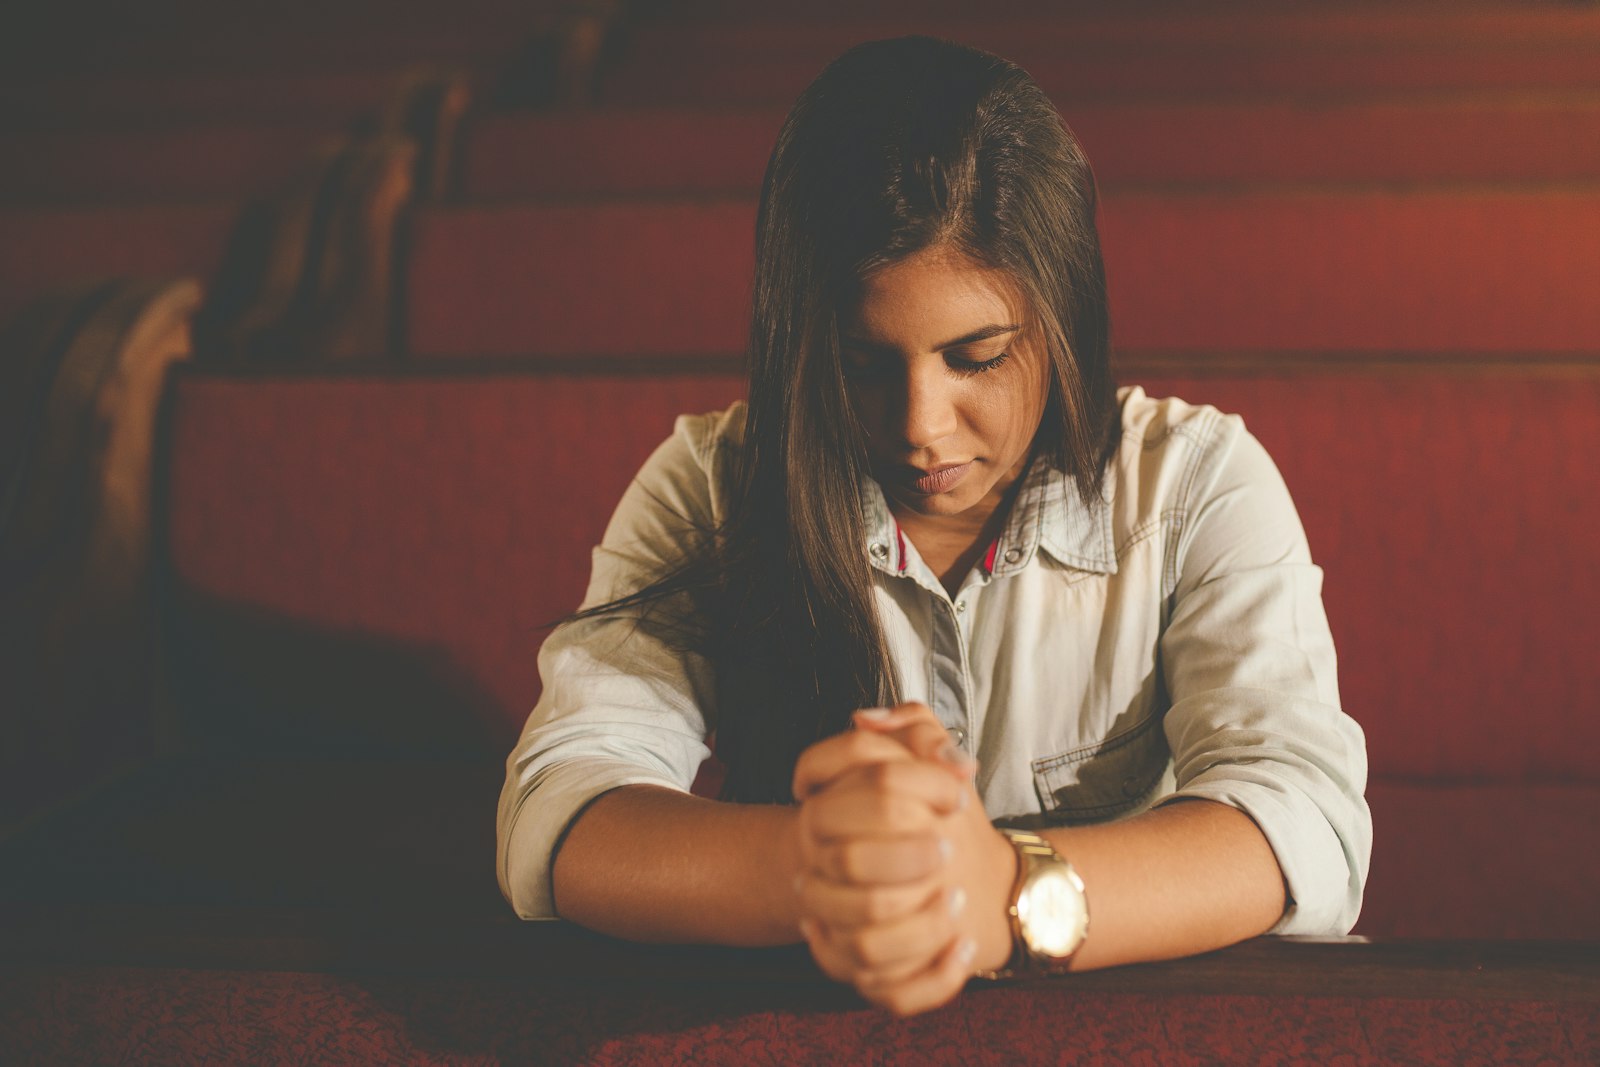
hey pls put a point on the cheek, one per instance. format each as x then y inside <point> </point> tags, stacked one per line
<point>871,408</point>
<point>1007,415</point>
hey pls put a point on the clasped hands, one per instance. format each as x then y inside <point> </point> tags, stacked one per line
<point>904,882</point>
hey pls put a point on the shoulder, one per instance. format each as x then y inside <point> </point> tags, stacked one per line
<point>1174,453</point>
<point>1187,471</point>
<point>687,475</point>
<point>708,436</point>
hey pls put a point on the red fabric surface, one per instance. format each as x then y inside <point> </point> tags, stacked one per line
<point>173,1017</point>
<point>336,95</point>
<point>1465,271</point>
<point>450,518</point>
<point>446,520</point>
<point>661,76</point>
<point>1449,514</point>
<point>591,151</point>
<point>1491,861</point>
<point>42,248</point>
<point>1454,518</point>
<point>642,277</point>
<point>1300,29</point>
<point>180,163</point>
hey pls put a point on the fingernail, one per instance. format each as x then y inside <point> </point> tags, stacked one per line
<point>966,949</point>
<point>946,849</point>
<point>875,714</point>
<point>958,901</point>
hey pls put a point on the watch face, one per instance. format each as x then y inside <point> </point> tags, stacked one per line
<point>1052,912</point>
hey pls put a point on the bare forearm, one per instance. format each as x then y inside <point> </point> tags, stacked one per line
<point>1187,877</point>
<point>652,864</point>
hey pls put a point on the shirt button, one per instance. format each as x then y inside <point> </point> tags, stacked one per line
<point>879,550</point>
<point>1013,554</point>
<point>961,606</point>
<point>958,736</point>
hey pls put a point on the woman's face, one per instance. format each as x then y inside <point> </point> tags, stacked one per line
<point>947,380</point>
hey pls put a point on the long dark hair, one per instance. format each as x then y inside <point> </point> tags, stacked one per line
<point>898,146</point>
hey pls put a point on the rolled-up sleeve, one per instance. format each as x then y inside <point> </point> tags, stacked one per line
<point>622,702</point>
<point>1255,720</point>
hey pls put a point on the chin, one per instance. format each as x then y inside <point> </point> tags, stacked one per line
<point>939,505</point>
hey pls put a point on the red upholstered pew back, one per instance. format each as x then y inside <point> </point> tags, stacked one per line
<point>1453,515</point>
<point>588,151</point>
<point>165,164</point>
<point>1455,270</point>
<point>365,564</point>
<point>43,248</point>
<point>398,529</point>
<point>1164,53</point>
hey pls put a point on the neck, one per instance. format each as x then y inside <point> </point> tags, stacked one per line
<point>952,544</point>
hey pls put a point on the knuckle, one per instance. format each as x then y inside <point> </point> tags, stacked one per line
<point>879,777</point>
<point>855,863</point>
<point>850,861</point>
<point>878,905</point>
<point>861,947</point>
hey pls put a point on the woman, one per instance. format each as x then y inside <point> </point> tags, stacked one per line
<point>1043,604</point>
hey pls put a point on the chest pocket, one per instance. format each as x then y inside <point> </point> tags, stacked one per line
<point>1102,780</point>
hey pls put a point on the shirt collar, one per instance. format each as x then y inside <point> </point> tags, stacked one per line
<point>1048,514</point>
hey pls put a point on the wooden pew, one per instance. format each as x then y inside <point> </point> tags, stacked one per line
<point>1204,270</point>
<point>1084,55</point>
<point>1400,139</point>
<point>43,248</point>
<point>182,163</point>
<point>82,377</point>
<point>361,568</point>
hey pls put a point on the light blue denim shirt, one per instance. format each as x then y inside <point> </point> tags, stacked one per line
<point>1168,641</point>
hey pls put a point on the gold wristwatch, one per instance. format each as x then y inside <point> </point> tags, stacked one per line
<point>1049,910</point>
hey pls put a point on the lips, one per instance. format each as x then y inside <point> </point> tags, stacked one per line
<point>940,479</point>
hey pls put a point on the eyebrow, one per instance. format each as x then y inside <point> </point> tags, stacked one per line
<point>982,333</point>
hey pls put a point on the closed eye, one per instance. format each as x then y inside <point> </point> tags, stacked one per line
<point>962,366</point>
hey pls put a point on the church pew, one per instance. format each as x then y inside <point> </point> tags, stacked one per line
<point>361,569</point>
<point>1398,139</point>
<point>578,152</point>
<point>44,247</point>
<point>1245,268</point>
<point>164,163</point>
<point>1159,54</point>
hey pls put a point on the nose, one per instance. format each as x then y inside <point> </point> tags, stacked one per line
<point>927,407</point>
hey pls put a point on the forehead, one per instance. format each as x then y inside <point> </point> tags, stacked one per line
<point>929,297</point>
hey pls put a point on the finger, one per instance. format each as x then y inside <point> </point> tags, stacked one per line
<point>916,727</point>
<point>884,800</point>
<point>831,960</point>
<point>928,989</point>
<point>830,757</point>
<point>895,973</point>
<point>879,860</point>
<point>891,719</point>
<point>912,940</point>
<point>845,905</point>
